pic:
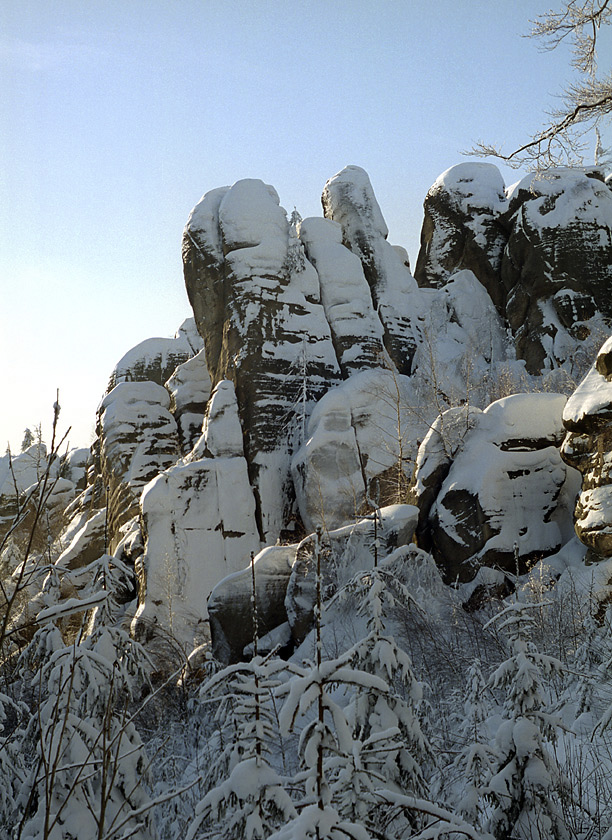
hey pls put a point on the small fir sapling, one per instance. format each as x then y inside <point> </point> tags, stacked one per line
<point>524,791</point>
<point>475,763</point>
<point>326,740</point>
<point>87,760</point>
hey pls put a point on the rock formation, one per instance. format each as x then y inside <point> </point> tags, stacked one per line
<point>587,447</point>
<point>542,249</point>
<point>463,229</point>
<point>319,382</point>
<point>492,487</point>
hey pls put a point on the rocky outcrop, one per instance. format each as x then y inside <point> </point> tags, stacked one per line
<point>463,228</point>
<point>348,198</point>
<point>542,250</point>
<point>319,366</point>
<point>155,359</point>
<point>22,479</point>
<point>189,388</point>
<point>356,330</point>
<point>558,265</point>
<point>138,439</point>
<point>199,524</point>
<point>258,307</point>
<point>587,447</point>
<point>504,495</point>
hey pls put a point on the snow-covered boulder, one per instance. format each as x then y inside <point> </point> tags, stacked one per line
<point>137,439</point>
<point>257,304</point>
<point>155,359</point>
<point>348,198</point>
<point>506,495</point>
<point>361,443</point>
<point>22,477</point>
<point>462,228</point>
<point>558,267</point>
<point>199,524</point>
<point>588,448</point>
<point>230,606</point>
<point>285,582</point>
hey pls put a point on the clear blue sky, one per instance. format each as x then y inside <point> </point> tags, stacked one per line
<point>117,115</point>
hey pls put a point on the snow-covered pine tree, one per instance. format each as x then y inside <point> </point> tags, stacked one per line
<point>247,797</point>
<point>326,739</point>
<point>88,765</point>
<point>475,763</point>
<point>525,788</point>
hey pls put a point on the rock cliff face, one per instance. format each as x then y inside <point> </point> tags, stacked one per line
<point>588,447</point>
<point>492,487</point>
<point>320,382</point>
<point>542,249</point>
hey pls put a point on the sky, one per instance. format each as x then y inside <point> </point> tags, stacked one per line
<point>116,116</point>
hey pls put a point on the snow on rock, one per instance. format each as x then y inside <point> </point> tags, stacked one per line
<point>22,475</point>
<point>285,585</point>
<point>189,388</point>
<point>348,198</point>
<point>257,304</point>
<point>356,329</point>
<point>230,607</point>
<point>462,228</point>
<point>199,524</point>
<point>588,448</point>
<point>506,494</point>
<point>558,267</point>
<point>345,551</point>
<point>155,359</point>
<point>461,343</point>
<point>361,443</point>
<point>137,439</point>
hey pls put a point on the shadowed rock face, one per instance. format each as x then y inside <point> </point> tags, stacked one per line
<point>588,448</point>
<point>557,265</point>
<point>463,228</point>
<point>544,254</point>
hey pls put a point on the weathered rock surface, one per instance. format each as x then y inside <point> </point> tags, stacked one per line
<point>230,606</point>
<point>356,330</point>
<point>463,228</point>
<point>285,581</point>
<point>507,495</point>
<point>155,359</point>
<point>361,446</point>
<point>189,388</point>
<point>558,266</point>
<point>138,439</point>
<point>542,249</point>
<point>257,304</point>
<point>588,448</point>
<point>348,198</point>
<point>199,523</point>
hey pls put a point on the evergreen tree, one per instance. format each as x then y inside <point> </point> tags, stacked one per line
<point>524,790</point>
